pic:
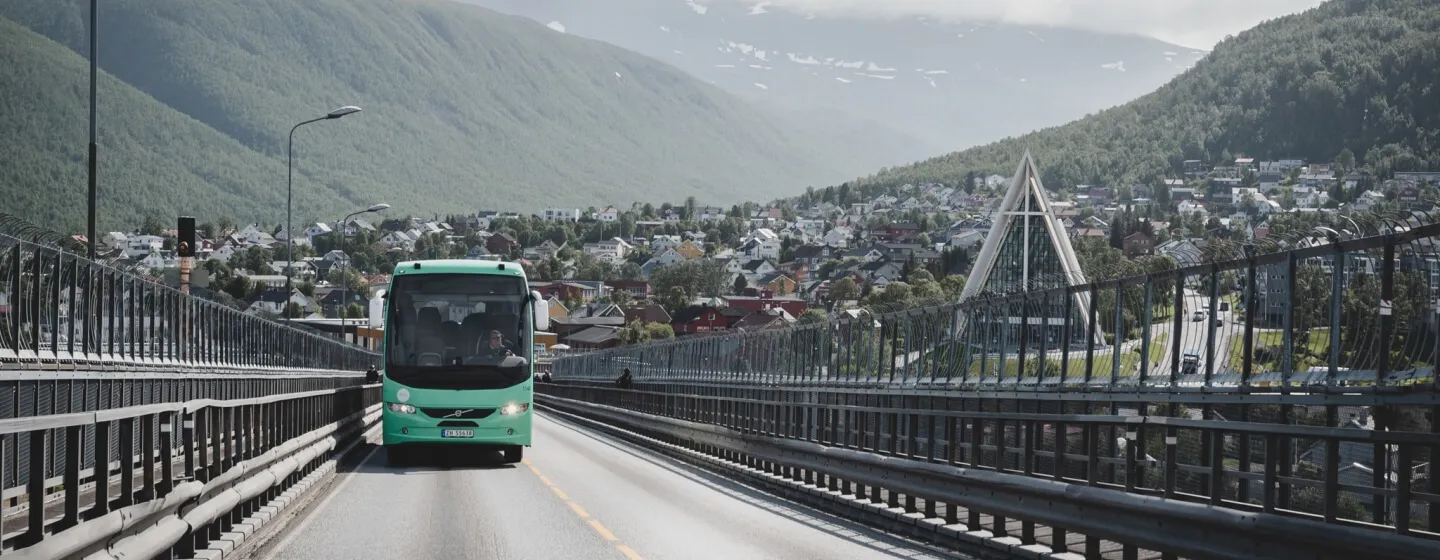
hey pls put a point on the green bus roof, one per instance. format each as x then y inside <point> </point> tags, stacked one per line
<point>460,266</point>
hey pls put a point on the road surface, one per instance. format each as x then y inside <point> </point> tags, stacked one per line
<point>577,495</point>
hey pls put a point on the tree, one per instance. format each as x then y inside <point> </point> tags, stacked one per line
<point>354,311</point>
<point>675,300</point>
<point>294,310</point>
<point>843,289</point>
<point>307,287</point>
<point>740,284</point>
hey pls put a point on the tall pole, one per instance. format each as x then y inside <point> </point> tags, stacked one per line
<point>94,145</point>
<point>289,192</point>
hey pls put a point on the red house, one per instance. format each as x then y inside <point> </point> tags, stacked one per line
<point>705,319</point>
<point>638,289</point>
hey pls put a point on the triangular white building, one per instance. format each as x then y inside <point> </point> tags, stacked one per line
<point>1027,249</point>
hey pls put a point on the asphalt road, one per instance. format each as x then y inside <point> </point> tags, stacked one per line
<point>577,495</point>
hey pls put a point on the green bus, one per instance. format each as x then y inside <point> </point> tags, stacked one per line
<point>458,354</point>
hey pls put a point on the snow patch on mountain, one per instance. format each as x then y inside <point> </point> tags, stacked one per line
<point>556,26</point>
<point>1118,66</point>
<point>699,8</point>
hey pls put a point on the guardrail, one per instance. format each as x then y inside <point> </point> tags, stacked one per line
<point>1045,479</point>
<point>59,308</point>
<point>169,475</point>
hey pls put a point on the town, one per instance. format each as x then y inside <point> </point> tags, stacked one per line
<point>618,276</point>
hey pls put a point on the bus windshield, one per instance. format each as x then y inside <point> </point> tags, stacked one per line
<point>457,331</point>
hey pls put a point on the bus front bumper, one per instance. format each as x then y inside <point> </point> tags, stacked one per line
<point>417,428</point>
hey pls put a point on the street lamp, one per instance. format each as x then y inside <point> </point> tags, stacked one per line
<point>289,190</point>
<point>345,264</point>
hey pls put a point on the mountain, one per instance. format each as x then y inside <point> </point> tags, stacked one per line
<point>464,108</point>
<point>1349,76</point>
<point>945,84</point>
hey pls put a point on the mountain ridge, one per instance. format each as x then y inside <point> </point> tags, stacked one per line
<point>944,84</point>
<point>1343,76</point>
<point>465,108</point>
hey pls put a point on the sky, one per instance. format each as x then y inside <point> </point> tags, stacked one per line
<point>1198,24</point>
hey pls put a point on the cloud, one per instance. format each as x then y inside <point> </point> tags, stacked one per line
<point>1192,23</point>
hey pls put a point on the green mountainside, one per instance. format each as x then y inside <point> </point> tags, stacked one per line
<point>464,109</point>
<point>1362,75</point>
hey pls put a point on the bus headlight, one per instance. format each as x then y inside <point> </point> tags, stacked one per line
<point>401,408</point>
<point>514,408</point>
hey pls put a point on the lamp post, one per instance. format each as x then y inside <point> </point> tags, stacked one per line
<point>90,196</point>
<point>345,265</point>
<point>289,190</point>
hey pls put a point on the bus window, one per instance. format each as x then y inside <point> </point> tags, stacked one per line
<point>457,328</point>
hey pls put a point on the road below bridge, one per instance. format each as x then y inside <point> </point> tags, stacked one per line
<point>577,495</point>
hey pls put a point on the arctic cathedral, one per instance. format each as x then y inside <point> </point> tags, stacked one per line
<point>1027,249</point>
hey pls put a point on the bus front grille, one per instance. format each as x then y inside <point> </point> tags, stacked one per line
<point>458,413</point>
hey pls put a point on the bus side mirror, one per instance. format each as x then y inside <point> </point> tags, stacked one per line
<point>539,311</point>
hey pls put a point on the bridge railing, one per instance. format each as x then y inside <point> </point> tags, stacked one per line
<point>57,307</point>
<point>144,481</point>
<point>1292,373</point>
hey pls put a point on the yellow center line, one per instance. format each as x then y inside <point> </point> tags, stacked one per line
<point>604,533</point>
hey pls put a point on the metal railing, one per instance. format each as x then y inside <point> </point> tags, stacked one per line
<point>193,465</point>
<point>1292,374</point>
<point>57,307</point>
<point>1094,483</point>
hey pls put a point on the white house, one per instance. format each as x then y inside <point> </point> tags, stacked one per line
<point>608,214</point>
<point>139,246</point>
<point>560,214</point>
<point>317,230</point>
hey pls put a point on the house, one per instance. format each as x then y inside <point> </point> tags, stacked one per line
<point>608,214</point>
<point>966,239</point>
<point>637,289</point>
<point>501,243</point>
<point>764,320</point>
<point>690,250</point>
<point>613,249</point>
<point>705,318</point>
<point>646,313</point>
<point>712,214</point>
<point>668,256</point>
<point>896,232</point>
<point>316,230</point>
<point>1138,243</point>
<point>775,282</point>
<point>273,301</point>
<point>560,214</point>
<point>594,338</point>
<point>756,267</point>
<point>813,255</point>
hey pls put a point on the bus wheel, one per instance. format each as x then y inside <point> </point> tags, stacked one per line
<point>514,453</point>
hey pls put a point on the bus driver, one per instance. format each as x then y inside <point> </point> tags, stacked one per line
<point>495,349</point>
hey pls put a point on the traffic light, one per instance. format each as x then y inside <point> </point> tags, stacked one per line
<point>185,245</point>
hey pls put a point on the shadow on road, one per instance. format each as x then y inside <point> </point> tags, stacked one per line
<point>425,459</point>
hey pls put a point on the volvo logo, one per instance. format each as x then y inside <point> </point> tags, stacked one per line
<point>458,413</point>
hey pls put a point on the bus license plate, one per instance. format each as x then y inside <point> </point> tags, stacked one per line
<point>457,433</point>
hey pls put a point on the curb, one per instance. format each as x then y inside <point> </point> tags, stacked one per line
<point>239,533</point>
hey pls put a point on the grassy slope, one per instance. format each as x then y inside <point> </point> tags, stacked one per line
<point>464,109</point>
